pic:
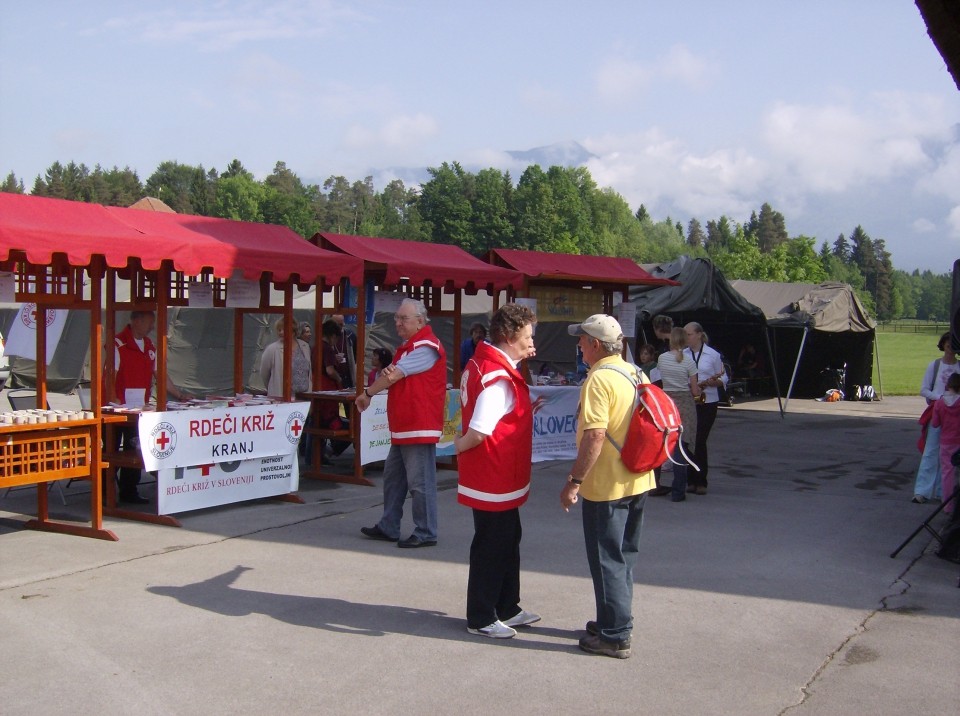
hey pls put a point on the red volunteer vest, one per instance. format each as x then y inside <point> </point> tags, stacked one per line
<point>415,405</point>
<point>495,475</point>
<point>136,366</point>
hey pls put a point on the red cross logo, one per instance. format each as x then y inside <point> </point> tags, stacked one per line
<point>164,437</point>
<point>296,428</point>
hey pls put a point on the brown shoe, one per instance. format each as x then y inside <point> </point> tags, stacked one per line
<point>701,489</point>
<point>593,644</point>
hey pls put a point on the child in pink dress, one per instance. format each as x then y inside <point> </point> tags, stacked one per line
<point>946,416</point>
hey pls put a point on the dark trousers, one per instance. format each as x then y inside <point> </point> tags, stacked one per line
<point>493,588</point>
<point>706,416</point>
<point>128,477</point>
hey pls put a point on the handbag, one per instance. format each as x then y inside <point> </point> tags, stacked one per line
<point>925,417</point>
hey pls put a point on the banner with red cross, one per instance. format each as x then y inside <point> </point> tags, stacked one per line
<point>205,436</point>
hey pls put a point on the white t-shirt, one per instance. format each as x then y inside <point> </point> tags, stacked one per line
<point>494,401</point>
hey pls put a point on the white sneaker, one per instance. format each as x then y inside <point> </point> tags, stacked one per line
<point>524,618</point>
<point>497,630</point>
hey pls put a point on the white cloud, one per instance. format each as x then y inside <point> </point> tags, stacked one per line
<point>650,168</point>
<point>620,79</point>
<point>923,226</point>
<point>395,133</point>
<point>77,141</point>
<point>953,223</point>
<point>544,100</point>
<point>223,25</point>
<point>682,65</point>
<point>944,180</point>
<point>834,147</point>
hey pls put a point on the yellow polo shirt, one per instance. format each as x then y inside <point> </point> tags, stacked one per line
<point>606,401</point>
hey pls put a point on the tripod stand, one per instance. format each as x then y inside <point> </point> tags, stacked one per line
<point>925,525</point>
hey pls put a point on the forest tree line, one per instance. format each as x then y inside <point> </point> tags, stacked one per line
<point>560,209</point>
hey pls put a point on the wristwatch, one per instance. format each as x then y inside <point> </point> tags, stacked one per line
<point>575,481</point>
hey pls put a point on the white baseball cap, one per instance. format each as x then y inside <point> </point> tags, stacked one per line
<point>600,326</point>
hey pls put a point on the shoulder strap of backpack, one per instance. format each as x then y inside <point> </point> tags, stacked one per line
<point>634,383</point>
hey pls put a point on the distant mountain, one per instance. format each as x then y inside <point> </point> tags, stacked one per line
<point>564,154</point>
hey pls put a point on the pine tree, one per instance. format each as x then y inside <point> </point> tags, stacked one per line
<point>841,249</point>
<point>12,185</point>
<point>695,236</point>
<point>771,229</point>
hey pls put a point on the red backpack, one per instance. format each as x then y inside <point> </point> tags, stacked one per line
<point>654,431</point>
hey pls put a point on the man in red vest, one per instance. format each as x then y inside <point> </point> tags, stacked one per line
<point>136,361</point>
<point>417,380</point>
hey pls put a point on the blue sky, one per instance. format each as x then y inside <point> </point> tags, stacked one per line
<point>836,113</point>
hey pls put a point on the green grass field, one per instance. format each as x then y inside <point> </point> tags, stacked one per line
<point>903,359</point>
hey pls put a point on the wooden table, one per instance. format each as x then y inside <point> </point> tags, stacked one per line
<point>40,453</point>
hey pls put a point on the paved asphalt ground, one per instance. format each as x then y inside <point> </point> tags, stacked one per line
<point>773,594</point>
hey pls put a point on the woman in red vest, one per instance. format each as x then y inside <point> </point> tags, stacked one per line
<point>494,459</point>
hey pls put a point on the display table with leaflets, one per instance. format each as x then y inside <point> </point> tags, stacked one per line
<point>209,452</point>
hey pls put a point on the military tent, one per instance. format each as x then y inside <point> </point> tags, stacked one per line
<point>821,335</point>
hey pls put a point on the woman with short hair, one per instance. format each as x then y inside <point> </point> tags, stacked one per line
<point>495,453</point>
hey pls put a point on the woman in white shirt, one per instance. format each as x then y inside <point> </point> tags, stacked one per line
<point>679,375</point>
<point>710,374</point>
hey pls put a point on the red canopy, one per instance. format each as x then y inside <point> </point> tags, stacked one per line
<point>41,227</point>
<point>573,267</point>
<point>422,263</point>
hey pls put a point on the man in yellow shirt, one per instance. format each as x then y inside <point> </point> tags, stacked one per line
<point>613,497</point>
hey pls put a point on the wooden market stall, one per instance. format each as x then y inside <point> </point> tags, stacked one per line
<point>54,254</point>
<point>162,257</point>
<point>427,272</point>
<point>570,287</point>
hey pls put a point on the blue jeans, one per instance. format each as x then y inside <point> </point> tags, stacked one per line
<point>410,468</point>
<point>928,474</point>
<point>611,531</point>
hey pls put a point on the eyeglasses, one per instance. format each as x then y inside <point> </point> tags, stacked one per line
<point>402,319</point>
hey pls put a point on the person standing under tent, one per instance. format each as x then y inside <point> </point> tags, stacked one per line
<point>136,359</point>
<point>346,350</point>
<point>271,365</point>
<point>478,334</point>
